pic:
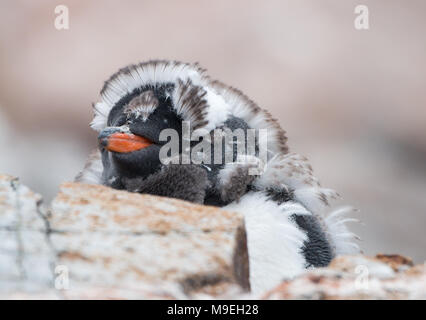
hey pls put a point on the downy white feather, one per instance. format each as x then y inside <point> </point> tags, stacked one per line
<point>274,240</point>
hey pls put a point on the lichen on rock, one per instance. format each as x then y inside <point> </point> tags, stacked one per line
<point>358,277</point>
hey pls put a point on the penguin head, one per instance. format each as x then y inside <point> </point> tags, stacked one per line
<point>139,101</point>
<point>130,143</point>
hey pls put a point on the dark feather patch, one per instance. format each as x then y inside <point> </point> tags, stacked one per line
<point>316,249</point>
<point>143,104</point>
<point>185,182</point>
<point>279,195</point>
<point>190,103</point>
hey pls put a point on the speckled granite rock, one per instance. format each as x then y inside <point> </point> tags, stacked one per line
<point>25,254</point>
<point>358,277</point>
<point>112,244</point>
<point>107,237</point>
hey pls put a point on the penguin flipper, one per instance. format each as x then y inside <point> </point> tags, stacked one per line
<point>185,182</point>
<point>235,178</point>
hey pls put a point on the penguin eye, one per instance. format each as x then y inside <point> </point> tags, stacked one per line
<point>120,120</point>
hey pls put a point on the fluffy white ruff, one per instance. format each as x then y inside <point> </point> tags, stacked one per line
<point>274,240</point>
<point>292,171</point>
<point>154,73</point>
<point>100,119</point>
<point>342,240</point>
<point>218,112</point>
<point>92,171</point>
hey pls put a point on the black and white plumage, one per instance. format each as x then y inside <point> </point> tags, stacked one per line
<point>289,226</point>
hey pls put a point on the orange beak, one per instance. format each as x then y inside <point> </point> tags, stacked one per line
<point>126,142</point>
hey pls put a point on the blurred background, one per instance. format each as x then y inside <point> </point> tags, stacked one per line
<point>353,101</point>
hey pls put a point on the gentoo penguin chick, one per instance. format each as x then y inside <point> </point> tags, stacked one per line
<point>145,106</point>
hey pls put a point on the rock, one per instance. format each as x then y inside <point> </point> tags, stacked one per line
<point>25,253</point>
<point>106,243</point>
<point>358,277</point>
<point>107,237</point>
<point>94,242</point>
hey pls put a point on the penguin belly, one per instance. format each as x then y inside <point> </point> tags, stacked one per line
<point>275,242</point>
